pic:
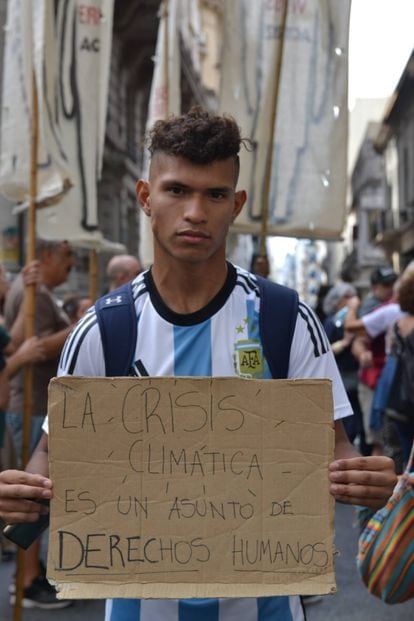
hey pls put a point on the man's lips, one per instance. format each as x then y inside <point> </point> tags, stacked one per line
<point>193,234</point>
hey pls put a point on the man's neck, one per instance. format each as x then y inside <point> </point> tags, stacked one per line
<point>188,287</point>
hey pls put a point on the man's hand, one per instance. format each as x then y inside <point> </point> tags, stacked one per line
<point>367,481</point>
<point>19,492</point>
<point>353,303</point>
<point>31,273</point>
<point>31,350</point>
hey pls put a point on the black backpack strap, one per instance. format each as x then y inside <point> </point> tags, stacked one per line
<point>278,313</point>
<point>117,322</point>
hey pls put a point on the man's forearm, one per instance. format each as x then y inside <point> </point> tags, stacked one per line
<point>39,461</point>
<point>53,344</point>
<point>343,448</point>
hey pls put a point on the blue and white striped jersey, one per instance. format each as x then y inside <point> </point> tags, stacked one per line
<point>222,339</point>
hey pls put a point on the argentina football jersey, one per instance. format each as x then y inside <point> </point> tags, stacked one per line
<point>221,339</point>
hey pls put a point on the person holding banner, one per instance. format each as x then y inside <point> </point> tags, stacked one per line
<point>194,309</point>
<point>54,261</point>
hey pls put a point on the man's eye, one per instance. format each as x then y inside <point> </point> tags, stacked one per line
<point>176,190</point>
<point>217,195</point>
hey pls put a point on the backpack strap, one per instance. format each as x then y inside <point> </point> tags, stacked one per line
<point>278,313</point>
<point>117,320</point>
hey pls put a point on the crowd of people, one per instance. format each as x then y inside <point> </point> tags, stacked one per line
<point>198,301</point>
<point>364,335</point>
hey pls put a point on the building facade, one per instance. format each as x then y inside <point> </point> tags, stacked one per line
<point>382,189</point>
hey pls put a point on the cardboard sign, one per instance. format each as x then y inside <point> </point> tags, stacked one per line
<point>190,487</point>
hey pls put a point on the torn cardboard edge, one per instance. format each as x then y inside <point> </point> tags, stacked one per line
<point>93,590</point>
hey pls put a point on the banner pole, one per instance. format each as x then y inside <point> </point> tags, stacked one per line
<point>93,274</point>
<point>29,302</point>
<point>269,158</point>
<point>166,10</point>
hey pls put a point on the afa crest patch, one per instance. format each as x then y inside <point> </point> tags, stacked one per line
<point>248,359</point>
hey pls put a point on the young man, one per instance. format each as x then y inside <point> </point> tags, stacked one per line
<point>193,308</point>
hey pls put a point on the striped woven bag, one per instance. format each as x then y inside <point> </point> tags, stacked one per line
<point>386,546</point>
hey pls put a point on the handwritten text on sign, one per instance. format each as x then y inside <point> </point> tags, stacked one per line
<point>183,487</point>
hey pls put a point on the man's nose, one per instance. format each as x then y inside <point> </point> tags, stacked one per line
<point>195,210</point>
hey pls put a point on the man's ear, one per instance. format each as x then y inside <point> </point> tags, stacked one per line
<point>46,255</point>
<point>239,200</point>
<point>142,189</point>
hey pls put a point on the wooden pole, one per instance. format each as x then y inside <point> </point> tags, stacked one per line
<point>93,274</point>
<point>166,9</point>
<point>269,159</point>
<point>29,301</point>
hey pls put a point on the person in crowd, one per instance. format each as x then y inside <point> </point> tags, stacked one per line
<point>121,269</point>
<point>15,354</point>
<point>54,261</point>
<point>192,292</point>
<point>382,281</point>
<point>400,407</point>
<point>260,265</point>
<point>75,307</point>
<point>12,359</point>
<point>335,308</point>
<point>369,346</point>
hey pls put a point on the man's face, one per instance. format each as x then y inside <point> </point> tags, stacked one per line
<point>261,267</point>
<point>383,292</point>
<point>191,207</point>
<point>60,261</point>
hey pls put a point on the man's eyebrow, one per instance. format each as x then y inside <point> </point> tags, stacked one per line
<point>224,189</point>
<point>179,184</point>
<point>175,183</point>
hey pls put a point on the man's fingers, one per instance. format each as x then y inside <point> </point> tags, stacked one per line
<point>378,463</point>
<point>373,503</point>
<point>20,518</point>
<point>25,491</point>
<point>18,490</point>
<point>363,477</point>
<point>12,510</point>
<point>367,481</point>
<point>349,496</point>
<point>15,483</point>
<point>360,492</point>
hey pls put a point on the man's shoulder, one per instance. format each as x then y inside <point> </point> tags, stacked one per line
<point>385,311</point>
<point>13,300</point>
<point>16,287</point>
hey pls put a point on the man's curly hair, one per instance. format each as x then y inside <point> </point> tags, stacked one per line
<point>198,136</point>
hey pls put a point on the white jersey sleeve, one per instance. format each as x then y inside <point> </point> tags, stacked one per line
<point>311,356</point>
<point>82,353</point>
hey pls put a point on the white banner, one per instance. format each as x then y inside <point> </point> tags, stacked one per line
<point>29,42</point>
<point>164,99</point>
<point>307,196</point>
<point>71,43</point>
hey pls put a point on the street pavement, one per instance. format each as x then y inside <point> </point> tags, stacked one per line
<point>352,602</point>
